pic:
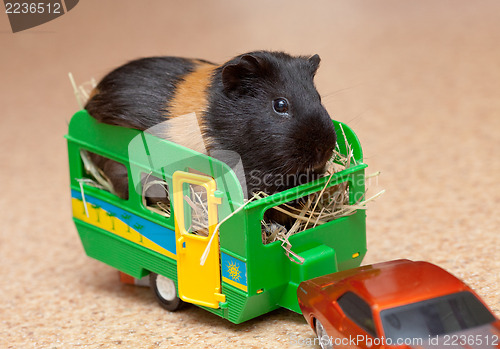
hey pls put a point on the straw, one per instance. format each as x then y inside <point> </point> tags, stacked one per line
<point>82,92</point>
<point>99,178</point>
<point>159,207</point>
<point>328,204</point>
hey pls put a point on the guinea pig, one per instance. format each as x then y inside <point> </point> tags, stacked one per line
<point>262,105</point>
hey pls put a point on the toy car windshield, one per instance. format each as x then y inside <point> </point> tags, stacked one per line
<point>439,316</point>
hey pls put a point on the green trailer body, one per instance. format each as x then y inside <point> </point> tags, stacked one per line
<point>254,277</point>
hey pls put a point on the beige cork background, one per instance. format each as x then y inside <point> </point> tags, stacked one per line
<point>419,81</point>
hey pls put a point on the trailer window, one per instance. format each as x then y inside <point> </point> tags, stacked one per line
<point>104,173</point>
<point>196,209</point>
<point>155,194</point>
<point>281,221</point>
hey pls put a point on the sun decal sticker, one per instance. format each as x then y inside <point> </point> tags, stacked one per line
<point>233,270</point>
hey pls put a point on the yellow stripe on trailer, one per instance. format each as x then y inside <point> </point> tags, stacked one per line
<point>235,284</point>
<point>100,218</point>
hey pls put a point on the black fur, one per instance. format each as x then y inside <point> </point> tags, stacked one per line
<point>136,94</point>
<point>278,151</point>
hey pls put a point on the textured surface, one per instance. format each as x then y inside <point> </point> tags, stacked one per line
<point>418,81</point>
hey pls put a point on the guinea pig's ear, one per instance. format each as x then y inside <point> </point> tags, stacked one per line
<point>314,62</point>
<point>234,75</point>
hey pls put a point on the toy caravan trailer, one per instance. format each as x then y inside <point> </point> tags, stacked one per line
<point>229,270</point>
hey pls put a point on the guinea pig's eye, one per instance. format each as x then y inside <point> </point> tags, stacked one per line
<point>280,105</point>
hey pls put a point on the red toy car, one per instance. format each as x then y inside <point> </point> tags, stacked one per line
<point>398,303</point>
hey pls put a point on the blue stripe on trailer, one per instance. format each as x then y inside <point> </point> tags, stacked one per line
<point>160,235</point>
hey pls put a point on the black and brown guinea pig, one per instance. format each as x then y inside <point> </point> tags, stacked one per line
<point>262,105</point>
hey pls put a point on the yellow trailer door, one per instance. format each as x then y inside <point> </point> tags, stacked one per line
<point>195,209</point>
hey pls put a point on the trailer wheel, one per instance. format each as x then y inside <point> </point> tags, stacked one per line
<point>165,292</point>
<point>324,340</point>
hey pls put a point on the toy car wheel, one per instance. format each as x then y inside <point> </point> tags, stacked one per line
<point>324,339</point>
<point>165,292</point>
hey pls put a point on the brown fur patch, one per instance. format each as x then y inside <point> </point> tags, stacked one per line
<point>191,96</point>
